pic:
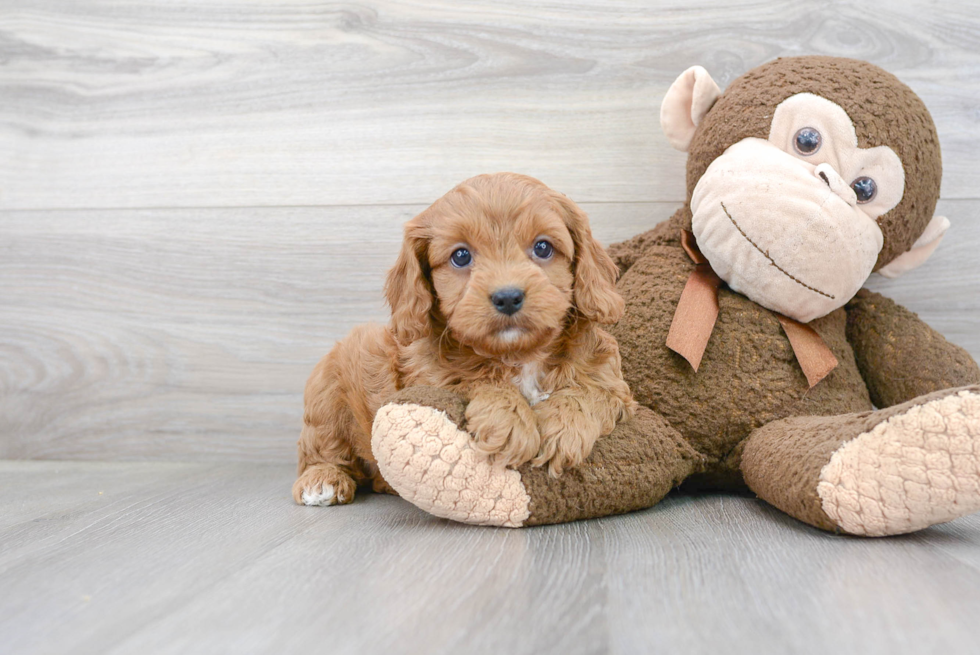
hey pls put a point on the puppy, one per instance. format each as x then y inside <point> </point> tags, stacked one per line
<point>497,295</point>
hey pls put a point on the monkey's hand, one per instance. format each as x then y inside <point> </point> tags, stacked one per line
<point>899,356</point>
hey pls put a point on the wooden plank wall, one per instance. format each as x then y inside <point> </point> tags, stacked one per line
<point>198,198</point>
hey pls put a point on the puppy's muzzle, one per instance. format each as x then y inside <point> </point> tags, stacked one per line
<point>507,301</point>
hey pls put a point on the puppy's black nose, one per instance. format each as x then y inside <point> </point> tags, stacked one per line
<point>507,301</point>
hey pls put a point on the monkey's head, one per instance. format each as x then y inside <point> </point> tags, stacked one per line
<point>805,176</point>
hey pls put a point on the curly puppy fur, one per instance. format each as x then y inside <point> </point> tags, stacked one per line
<point>543,383</point>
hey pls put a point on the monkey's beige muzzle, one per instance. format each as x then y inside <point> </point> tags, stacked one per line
<point>776,231</point>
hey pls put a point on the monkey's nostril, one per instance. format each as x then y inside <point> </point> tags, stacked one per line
<point>507,301</point>
<point>836,183</point>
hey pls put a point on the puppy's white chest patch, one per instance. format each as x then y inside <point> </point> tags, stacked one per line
<point>529,382</point>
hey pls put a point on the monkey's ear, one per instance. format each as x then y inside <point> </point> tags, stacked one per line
<point>687,101</point>
<point>924,246</point>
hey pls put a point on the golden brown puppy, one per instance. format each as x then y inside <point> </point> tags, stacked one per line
<point>496,295</point>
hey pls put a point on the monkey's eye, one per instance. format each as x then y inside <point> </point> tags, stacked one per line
<point>461,258</point>
<point>543,250</point>
<point>807,141</point>
<point>865,189</point>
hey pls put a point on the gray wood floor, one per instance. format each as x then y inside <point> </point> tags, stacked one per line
<point>197,198</point>
<point>202,558</point>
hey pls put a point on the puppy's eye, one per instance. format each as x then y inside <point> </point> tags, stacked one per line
<point>865,189</point>
<point>543,250</point>
<point>807,141</point>
<point>461,258</point>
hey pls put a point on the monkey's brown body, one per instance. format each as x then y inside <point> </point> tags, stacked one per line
<point>748,417</point>
<point>748,376</point>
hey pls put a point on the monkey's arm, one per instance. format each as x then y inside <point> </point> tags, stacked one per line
<point>899,356</point>
<point>626,253</point>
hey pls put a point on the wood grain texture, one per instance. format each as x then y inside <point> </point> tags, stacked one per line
<point>188,334</point>
<point>198,558</point>
<point>135,103</point>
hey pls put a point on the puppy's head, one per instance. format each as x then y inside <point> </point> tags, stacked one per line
<point>499,262</point>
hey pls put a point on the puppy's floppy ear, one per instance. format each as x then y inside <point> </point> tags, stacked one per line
<point>407,287</point>
<point>594,292</point>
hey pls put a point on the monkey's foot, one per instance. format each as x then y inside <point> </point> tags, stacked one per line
<point>430,462</point>
<point>917,468</point>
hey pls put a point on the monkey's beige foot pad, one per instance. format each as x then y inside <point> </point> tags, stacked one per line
<point>429,461</point>
<point>913,470</point>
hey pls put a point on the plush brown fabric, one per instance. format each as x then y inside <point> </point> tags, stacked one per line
<point>719,475</point>
<point>667,233</point>
<point>782,461</point>
<point>890,341</point>
<point>884,110</point>
<point>630,469</point>
<point>748,376</point>
<point>452,404</point>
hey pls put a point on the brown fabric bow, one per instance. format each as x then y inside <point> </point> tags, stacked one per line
<point>697,312</point>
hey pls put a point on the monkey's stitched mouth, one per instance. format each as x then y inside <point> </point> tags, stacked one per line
<point>771,260</point>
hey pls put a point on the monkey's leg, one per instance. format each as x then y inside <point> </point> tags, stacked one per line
<point>428,459</point>
<point>874,473</point>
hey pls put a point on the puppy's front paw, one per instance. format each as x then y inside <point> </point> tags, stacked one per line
<point>567,434</point>
<point>323,485</point>
<point>503,428</point>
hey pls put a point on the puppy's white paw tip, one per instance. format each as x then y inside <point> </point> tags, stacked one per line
<point>322,498</point>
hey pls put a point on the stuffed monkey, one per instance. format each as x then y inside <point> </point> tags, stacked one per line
<point>756,357</point>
